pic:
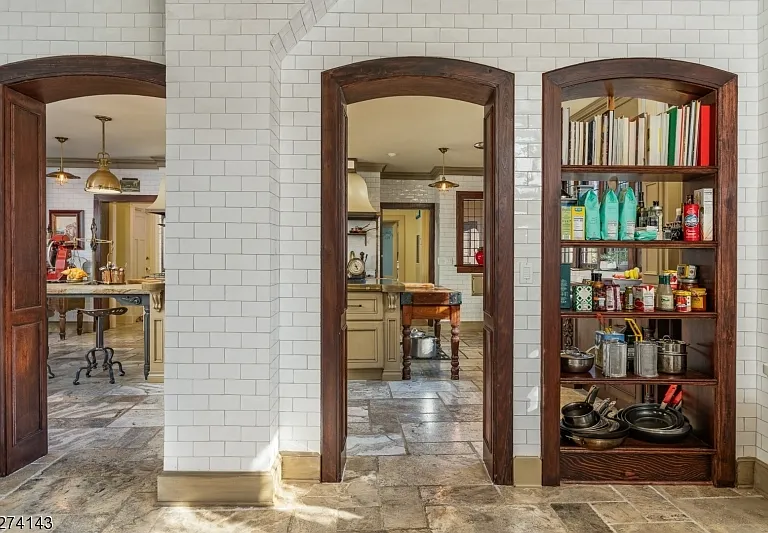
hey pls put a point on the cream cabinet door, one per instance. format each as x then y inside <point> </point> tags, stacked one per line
<point>365,344</point>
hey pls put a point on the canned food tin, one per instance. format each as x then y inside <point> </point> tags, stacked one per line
<point>582,298</point>
<point>699,299</point>
<point>682,301</point>
<point>686,271</point>
<point>673,283</point>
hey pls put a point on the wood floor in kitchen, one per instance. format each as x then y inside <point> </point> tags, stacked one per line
<point>413,467</point>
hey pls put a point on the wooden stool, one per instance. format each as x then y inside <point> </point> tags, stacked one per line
<point>100,315</point>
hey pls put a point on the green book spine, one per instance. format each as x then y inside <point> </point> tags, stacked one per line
<point>671,151</point>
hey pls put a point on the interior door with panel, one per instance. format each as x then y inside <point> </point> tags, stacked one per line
<point>333,288</point>
<point>23,418</point>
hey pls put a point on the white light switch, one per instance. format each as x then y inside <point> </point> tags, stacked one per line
<point>526,273</point>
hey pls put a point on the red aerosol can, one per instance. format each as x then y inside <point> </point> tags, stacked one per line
<point>691,220</point>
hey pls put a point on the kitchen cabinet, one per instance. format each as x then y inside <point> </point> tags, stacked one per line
<point>373,333</point>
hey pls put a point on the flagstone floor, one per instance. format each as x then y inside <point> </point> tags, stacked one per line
<point>413,467</point>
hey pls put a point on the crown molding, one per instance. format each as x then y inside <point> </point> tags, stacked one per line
<point>363,166</point>
<point>434,174</point>
<point>153,163</point>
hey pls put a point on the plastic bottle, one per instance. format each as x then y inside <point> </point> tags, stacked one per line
<point>665,300</point>
<point>691,220</point>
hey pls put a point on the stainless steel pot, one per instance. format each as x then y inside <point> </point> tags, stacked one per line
<point>423,347</point>
<point>672,363</point>
<point>575,362</point>
<point>672,347</point>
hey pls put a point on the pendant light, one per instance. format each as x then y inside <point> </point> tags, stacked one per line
<point>443,184</point>
<point>60,175</point>
<point>103,181</point>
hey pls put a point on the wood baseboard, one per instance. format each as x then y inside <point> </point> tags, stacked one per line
<point>300,466</point>
<point>218,488</point>
<point>364,373</point>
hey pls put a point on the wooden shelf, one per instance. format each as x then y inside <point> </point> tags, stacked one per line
<point>705,245</point>
<point>692,445</point>
<point>634,173</point>
<point>656,315</point>
<point>691,377</point>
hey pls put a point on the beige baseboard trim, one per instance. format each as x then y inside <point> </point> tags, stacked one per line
<point>527,471</point>
<point>468,326</point>
<point>300,466</point>
<point>364,373</point>
<point>745,472</point>
<point>156,377</point>
<point>218,488</point>
<point>392,375</point>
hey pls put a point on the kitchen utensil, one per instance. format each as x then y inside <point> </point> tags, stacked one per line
<point>671,364</point>
<point>615,359</point>
<point>672,346</point>
<point>576,362</point>
<point>606,408</point>
<point>677,403</point>
<point>646,359</point>
<point>661,436</point>
<point>597,441</point>
<point>580,415</point>
<point>668,396</point>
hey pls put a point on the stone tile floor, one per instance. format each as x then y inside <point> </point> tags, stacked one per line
<point>413,468</point>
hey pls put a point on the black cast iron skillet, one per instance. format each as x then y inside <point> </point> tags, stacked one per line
<point>652,417</point>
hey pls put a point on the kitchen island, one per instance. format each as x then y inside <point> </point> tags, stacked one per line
<point>149,294</point>
<point>373,329</point>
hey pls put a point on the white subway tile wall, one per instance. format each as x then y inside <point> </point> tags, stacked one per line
<point>243,117</point>
<point>754,410</point>
<point>129,28</point>
<point>529,37</point>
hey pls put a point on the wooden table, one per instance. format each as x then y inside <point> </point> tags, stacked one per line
<point>147,295</point>
<point>61,306</point>
<point>435,303</point>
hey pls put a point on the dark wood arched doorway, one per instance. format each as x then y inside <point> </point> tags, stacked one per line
<point>25,88</point>
<point>445,78</point>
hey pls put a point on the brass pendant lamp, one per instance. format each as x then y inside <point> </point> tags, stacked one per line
<point>103,181</point>
<point>60,175</point>
<point>443,184</point>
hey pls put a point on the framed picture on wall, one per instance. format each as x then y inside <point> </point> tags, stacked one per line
<point>66,222</point>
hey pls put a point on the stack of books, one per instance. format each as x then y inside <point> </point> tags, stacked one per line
<point>681,136</point>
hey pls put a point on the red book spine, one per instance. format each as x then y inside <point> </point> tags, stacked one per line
<point>705,136</point>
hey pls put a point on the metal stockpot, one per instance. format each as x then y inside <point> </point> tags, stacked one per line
<point>672,356</point>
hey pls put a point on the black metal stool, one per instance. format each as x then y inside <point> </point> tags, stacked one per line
<point>100,315</point>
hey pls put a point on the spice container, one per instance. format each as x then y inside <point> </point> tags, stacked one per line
<point>582,297</point>
<point>598,292</point>
<point>688,284</point>
<point>614,359</point>
<point>646,359</point>
<point>698,299</point>
<point>686,271</point>
<point>106,275</point>
<point>683,301</point>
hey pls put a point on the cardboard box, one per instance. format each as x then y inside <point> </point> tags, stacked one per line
<point>566,223</point>
<point>578,222</point>
<point>706,200</point>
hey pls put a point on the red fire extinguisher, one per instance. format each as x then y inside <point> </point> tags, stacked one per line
<point>479,256</point>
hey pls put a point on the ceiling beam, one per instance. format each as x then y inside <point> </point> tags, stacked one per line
<point>153,163</point>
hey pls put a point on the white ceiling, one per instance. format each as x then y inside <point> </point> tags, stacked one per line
<point>414,127</point>
<point>137,129</point>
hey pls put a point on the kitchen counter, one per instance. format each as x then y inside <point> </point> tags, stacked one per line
<point>376,285</point>
<point>149,294</point>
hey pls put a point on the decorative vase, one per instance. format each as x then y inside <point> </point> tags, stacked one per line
<point>479,256</point>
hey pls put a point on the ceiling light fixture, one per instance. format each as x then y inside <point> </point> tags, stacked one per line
<point>103,181</point>
<point>479,145</point>
<point>60,175</point>
<point>443,184</point>
<point>391,154</point>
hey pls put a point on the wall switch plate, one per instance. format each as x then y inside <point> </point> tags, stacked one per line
<point>526,273</point>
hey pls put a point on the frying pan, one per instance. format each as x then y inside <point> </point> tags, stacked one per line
<point>598,440</point>
<point>582,414</point>
<point>661,437</point>
<point>652,417</point>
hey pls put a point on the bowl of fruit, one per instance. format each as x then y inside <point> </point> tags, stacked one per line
<point>628,278</point>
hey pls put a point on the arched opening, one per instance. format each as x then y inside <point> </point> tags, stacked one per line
<point>445,78</point>
<point>25,88</point>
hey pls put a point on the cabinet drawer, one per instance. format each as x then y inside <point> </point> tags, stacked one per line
<point>365,344</point>
<point>364,307</point>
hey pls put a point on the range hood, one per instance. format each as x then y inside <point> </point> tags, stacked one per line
<point>357,192</point>
<point>158,206</point>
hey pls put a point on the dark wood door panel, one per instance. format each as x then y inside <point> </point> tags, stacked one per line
<point>22,274</point>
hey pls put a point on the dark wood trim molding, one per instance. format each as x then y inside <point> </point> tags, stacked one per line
<point>55,78</point>
<point>25,87</point>
<point>432,175</point>
<point>461,196</point>
<point>673,82</point>
<point>422,76</point>
<point>151,163</point>
<point>432,229</point>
